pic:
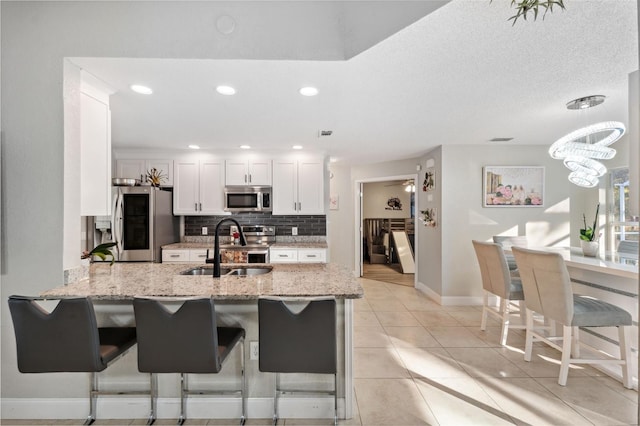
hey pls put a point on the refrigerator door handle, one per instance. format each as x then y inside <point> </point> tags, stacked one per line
<point>117,222</point>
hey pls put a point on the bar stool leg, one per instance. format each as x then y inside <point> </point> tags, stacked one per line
<point>153,393</point>
<point>275,400</point>
<point>625,355</point>
<point>244,385</point>
<point>567,341</point>
<point>93,394</point>
<point>335,399</point>
<point>183,398</point>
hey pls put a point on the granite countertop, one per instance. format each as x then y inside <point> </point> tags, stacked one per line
<point>281,245</point>
<point>125,280</point>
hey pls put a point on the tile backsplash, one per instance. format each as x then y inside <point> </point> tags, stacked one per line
<point>307,225</point>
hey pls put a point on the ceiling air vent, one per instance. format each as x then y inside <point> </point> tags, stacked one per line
<point>500,139</point>
<point>324,133</point>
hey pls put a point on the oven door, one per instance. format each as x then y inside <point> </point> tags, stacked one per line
<point>258,256</point>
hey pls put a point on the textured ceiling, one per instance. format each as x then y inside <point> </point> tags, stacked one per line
<point>460,75</point>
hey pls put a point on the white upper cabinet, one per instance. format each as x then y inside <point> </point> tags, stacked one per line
<point>198,187</point>
<point>137,169</point>
<point>248,172</point>
<point>298,187</point>
<point>95,149</point>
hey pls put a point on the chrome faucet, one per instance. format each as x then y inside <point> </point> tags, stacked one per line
<point>216,245</point>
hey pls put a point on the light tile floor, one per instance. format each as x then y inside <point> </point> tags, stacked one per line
<point>419,363</point>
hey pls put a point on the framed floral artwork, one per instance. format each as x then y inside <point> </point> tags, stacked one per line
<point>513,186</point>
<point>429,217</point>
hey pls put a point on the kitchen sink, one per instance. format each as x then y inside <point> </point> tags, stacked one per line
<point>242,271</point>
<point>258,270</point>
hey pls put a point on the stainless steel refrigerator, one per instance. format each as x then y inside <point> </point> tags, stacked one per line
<point>142,221</point>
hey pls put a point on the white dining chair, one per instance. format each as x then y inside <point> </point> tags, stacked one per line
<point>547,290</point>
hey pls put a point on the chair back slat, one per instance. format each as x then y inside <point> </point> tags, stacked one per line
<point>493,268</point>
<point>546,283</point>
<point>302,342</point>
<point>65,340</point>
<point>182,342</point>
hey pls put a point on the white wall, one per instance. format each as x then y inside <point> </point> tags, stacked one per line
<point>464,219</point>
<point>376,195</point>
<point>340,222</point>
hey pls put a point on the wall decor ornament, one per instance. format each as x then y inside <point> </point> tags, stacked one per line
<point>429,182</point>
<point>513,186</point>
<point>429,217</point>
<point>394,203</point>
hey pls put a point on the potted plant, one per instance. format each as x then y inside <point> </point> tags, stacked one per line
<point>102,251</point>
<point>589,235</point>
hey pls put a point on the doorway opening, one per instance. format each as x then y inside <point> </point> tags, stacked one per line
<point>386,219</point>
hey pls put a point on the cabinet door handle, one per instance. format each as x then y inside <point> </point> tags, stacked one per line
<point>283,255</point>
<point>311,255</point>
<point>299,206</point>
<point>249,178</point>
<point>295,206</point>
<point>200,206</point>
<point>202,255</point>
<point>245,178</point>
<point>195,206</point>
<point>174,255</point>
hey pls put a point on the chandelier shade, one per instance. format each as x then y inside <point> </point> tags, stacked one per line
<point>571,145</point>
<point>585,166</point>
<point>584,180</point>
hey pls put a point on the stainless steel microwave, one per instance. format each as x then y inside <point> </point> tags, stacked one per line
<point>247,199</point>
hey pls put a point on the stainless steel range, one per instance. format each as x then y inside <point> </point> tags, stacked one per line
<point>259,238</point>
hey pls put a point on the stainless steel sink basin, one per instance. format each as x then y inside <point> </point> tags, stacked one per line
<point>258,270</point>
<point>244,271</point>
<point>204,270</point>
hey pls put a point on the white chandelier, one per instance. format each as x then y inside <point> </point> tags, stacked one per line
<point>579,150</point>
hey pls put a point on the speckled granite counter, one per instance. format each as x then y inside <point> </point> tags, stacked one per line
<point>123,281</point>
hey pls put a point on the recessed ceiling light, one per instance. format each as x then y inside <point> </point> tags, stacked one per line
<point>333,160</point>
<point>297,147</point>
<point>226,90</point>
<point>194,146</point>
<point>143,90</point>
<point>308,91</point>
<point>245,147</point>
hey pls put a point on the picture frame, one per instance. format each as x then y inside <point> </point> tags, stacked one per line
<point>429,217</point>
<point>513,186</point>
<point>429,182</point>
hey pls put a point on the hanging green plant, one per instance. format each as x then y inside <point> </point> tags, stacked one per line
<point>524,7</point>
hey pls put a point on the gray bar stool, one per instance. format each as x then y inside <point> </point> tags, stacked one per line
<point>497,280</point>
<point>302,342</point>
<point>68,340</point>
<point>187,341</point>
<point>547,290</point>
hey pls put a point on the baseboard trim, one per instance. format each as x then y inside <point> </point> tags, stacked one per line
<point>450,300</point>
<point>198,407</point>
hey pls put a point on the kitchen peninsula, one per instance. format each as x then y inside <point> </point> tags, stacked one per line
<point>113,287</point>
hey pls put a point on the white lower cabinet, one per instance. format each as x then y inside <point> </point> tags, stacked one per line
<point>175,256</point>
<point>301,255</point>
<point>312,255</point>
<point>184,255</point>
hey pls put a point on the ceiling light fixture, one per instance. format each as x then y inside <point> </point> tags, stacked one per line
<point>245,147</point>
<point>194,146</point>
<point>308,91</point>
<point>581,148</point>
<point>226,90</point>
<point>143,90</point>
<point>297,147</point>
